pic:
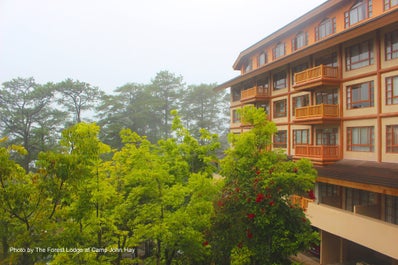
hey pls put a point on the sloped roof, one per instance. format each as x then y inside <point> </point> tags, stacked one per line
<point>365,172</point>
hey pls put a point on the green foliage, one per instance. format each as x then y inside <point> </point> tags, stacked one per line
<point>255,204</point>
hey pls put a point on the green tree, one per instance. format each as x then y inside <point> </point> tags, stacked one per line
<point>254,213</point>
<point>203,108</point>
<point>77,97</point>
<point>27,116</point>
<point>166,90</point>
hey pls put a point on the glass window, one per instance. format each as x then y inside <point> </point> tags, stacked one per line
<point>359,197</point>
<point>326,136</point>
<point>236,93</point>
<point>278,51</point>
<point>280,80</point>
<point>328,60</point>
<point>235,116</point>
<point>249,66</point>
<point>358,12</point>
<point>300,41</point>
<point>360,96</point>
<point>391,213</point>
<point>300,137</point>
<point>325,28</point>
<point>359,55</point>
<point>360,139</point>
<point>280,139</point>
<point>280,108</point>
<point>329,96</point>
<point>262,59</point>
<point>390,3</point>
<point>392,138</point>
<point>300,101</point>
<point>391,45</point>
<point>392,90</point>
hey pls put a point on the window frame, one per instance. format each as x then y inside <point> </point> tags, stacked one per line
<point>279,50</point>
<point>365,6</point>
<point>277,107</point>
<point>369,132</point>
<point>235,116</point>
<point>327,27</point>
<point>303,140</point>
<point>300,41</point>
<point>350,54</point>
<point>279,80</point>
<point>391,86</point>
<point>392,138</point>
<point>264,55</point>
<point>391,45</point>
<point>326,136</point>
<point>388,4</point>
<point>358,103</point>
<point>280,139</point>
<point>306,100</point>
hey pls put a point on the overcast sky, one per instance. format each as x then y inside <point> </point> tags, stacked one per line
<point>109,43</point>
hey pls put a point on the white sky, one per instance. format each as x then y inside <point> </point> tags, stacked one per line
<point>109,43</point>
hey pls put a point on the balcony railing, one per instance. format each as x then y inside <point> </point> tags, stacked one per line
<point>300,201</point>
<point>319,75</point>
<point>318,111</point>
<point>322,154</point>
<point>253,93</point>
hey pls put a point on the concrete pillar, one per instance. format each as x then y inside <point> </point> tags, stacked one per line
<point>331,246</point>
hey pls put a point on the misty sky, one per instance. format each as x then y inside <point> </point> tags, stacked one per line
<point>110,43</point>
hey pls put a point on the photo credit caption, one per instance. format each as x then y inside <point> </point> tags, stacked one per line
<point>69,250</point>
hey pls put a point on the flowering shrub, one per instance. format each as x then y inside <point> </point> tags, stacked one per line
<point>254,210</point>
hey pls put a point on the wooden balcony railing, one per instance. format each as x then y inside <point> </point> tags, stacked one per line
<point>318,152</point>
<point>300,201</point>
<point>254,92</point>
<point>321,74</point>
<point>318,111</point>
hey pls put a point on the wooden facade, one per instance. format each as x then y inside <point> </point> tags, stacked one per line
<point>334,95</point>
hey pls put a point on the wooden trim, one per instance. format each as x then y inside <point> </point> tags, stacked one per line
<point>361,186</point>
<point>378,99</point>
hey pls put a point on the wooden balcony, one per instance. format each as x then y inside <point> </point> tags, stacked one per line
<point>317,114</point>
<point>254,94</point>
<point>300,201</point>
<point>321,75</point>
<point>318,154</point>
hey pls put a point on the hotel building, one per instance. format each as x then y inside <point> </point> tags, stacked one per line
<point>329,80</point>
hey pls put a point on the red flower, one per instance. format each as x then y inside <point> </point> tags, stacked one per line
<point>251,216</point>
<point>260,197</point>
<point>311,195</point>
<point>271,203</point>
<point>206,243</point>
<point>258,172</point>
<point>220,203</point>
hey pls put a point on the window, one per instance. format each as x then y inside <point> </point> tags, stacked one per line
<point>263,86</point>
<point>249,66</point>
<point>359,55</point>
<point>390,3</point>
<point>280,139</point>
<point>300,101</point>
<point>300,41</point>
<point>391,45</point>
<point>300,137</point>
<point>391,212</point>
<point>360,11</point>
<point>329,96</point>
<point>235,116</point>
<point>359,197</point>
<point>235,93</point>
<point>263,105</point>
<point>360,95</point>
<point>330,194</point>
<point>326,136</point>
<point>262,59</point>
<point>278,51</point>
<point>360,139</point>
<point>325,28</point>
<point>328,60</point>
<point>392,90</point>
<point>280,80</point>
<point>392,138</point>
<point>280,108</point>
